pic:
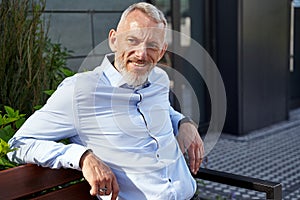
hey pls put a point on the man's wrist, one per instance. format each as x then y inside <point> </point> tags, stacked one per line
<point>186,120</point>
<point>87,152</point>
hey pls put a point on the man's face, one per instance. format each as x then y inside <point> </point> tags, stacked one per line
<point>138,43</point>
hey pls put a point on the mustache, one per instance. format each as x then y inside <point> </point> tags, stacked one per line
<point>137,60</point>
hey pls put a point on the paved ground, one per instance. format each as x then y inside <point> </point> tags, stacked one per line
<point>270,154</point>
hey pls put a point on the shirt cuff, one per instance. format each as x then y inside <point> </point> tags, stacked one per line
<point>73,155</point>
<point>175,124</point>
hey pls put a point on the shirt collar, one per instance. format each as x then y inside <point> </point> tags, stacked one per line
<point>112,74</point>
<point>114,77</point>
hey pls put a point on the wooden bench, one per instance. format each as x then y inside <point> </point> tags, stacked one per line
<point>33,182</point>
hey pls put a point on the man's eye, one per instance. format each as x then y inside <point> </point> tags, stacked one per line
<point>153,46</point>
<point>132,40</point>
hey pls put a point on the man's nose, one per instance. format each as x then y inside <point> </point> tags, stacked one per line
<point>141,51</point>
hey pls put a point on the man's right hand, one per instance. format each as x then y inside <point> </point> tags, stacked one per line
<point>100,177</point>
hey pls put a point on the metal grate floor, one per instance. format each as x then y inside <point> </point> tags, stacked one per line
<point>271,154</point>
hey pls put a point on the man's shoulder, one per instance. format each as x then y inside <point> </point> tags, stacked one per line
<point>158,75</point>
<point>87,80</point>
<point>77,77</point>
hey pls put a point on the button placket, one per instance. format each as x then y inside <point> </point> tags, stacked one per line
<point>139,109</point>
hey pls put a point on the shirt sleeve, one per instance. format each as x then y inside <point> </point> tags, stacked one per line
<point>36,140</point>
<point>175,118</point>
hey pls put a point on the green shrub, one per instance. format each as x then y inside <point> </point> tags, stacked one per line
<point>31,66</point>
<point>10,122</point>
<point>29,62</point>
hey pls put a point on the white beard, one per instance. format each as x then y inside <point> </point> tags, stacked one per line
<point>131,78</point>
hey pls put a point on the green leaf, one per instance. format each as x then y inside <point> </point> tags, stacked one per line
<point>49,92</point>
<point>1,120</point>
<point>20,122</point>
<point>10,112</point>
<point>6,133</point>
<point>4,148</point>
<point>22,115</point>
<point>37,107</point>
<point>5,163</point>
<point>65,141</point>
<point>67,72</point>
<point>10,120</point>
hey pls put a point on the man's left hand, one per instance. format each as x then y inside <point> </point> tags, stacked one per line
<point>190,142</point>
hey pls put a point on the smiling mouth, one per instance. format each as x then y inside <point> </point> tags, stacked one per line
<point>138,63</point>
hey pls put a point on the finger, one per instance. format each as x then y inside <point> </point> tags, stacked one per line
<point>94,189</point>
<point>108,187</point>
<point>202,152</point>
<point>102,189</point>
<point>197,161</point>
<point>108,190</point>
<point>192,158</point>
<point>115,189</point>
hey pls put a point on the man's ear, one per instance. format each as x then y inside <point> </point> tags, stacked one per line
<point>163,50</point>
<point>112,40</point>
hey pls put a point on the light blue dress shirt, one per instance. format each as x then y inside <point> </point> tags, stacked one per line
<point>131,129</point>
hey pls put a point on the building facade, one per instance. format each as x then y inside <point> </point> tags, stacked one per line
<point>248,40</point>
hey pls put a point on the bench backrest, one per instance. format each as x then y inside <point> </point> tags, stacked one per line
<point>31,182</point>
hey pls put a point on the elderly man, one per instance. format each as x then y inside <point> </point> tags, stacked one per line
<point>119,120</point>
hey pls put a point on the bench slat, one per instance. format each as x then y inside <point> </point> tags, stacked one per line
<point>78,191</point>
<point>30,179</point>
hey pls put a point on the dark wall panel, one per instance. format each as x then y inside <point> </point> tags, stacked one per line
<point>264,46</point>
<point>252,54</point>
<point>227,57</point>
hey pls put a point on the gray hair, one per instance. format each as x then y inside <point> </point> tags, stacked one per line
<point>149,9</point>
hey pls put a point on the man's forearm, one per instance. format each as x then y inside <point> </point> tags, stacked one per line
<point>46,153</point>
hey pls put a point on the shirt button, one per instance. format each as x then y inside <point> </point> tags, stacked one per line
<point>170,180</point>
<point>157,155</point>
